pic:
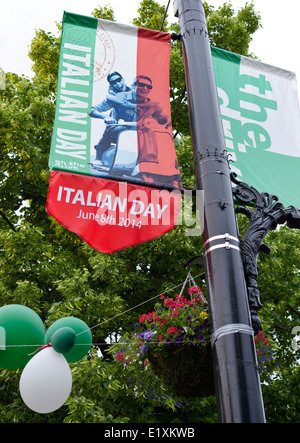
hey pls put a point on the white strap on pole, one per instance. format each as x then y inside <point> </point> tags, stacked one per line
<point>233,328</point>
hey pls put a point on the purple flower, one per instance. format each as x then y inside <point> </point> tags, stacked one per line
<point>201,337</point>
<point>148,335</point>
<point>189,318</point>
<point>144,349</point>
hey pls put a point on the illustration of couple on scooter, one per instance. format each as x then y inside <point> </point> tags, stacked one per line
<point>126,109</point>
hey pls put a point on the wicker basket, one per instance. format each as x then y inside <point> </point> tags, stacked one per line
<point>186,370</point>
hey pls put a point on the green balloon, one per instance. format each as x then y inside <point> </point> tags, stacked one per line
<point>21,333</point>
<point>63,340</point>
<point>83,341</point>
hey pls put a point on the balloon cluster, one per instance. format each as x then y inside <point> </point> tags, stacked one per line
<point>46,379</point>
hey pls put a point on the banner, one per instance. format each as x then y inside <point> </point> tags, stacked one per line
<point>261,121</point>
<point>113,107</point>
<point>111,215</point>
<point>113,123</point>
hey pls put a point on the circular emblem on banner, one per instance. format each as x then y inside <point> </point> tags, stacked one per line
<point>105,54</point>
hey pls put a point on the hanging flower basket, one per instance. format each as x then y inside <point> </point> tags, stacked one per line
<point>174,340</point>
<point>185,370</point>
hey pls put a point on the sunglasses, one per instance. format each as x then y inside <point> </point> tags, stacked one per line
<point>144,85</point>
<point>115,81</point>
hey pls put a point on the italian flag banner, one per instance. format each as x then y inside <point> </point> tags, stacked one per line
<point>114,178</point>
<point>261,121</point>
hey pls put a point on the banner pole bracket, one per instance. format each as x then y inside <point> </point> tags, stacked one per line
<point>267,213</point>
<point>175,36</point>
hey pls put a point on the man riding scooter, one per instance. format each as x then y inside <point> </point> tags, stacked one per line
<point>129,105</point>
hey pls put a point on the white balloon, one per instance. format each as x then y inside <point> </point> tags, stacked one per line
<point>46,381</point>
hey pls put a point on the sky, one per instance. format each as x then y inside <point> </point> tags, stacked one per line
<point>277,43</point>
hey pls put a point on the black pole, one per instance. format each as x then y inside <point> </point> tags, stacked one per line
<point>237,380</point>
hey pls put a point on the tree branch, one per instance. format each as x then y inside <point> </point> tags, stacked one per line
<point>294,310</point>
<point>7,221</point>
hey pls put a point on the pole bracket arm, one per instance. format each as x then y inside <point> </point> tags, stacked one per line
<point>176,37</point>
<point>266,214</point>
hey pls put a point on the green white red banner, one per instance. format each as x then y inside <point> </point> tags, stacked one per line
<point>261,120</point>
<point>113,125</point>
<point>113,105</point>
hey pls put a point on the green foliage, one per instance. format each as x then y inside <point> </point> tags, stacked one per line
<point>44,54</point>
<point>27,112</point>
<point>106,12</point>
<point>150,15</point>
<point>281,397</point>
<point>48,268</point>
<point>232,31</point>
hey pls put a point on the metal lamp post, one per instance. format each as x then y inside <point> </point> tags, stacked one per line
<point>237,380</point>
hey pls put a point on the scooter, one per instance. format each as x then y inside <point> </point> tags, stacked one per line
<point>122,159</point>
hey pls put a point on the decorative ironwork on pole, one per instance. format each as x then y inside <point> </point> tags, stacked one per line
<point>267,214</point>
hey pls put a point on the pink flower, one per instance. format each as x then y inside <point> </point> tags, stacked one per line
<point>172,330</point>
<point>120,356</point>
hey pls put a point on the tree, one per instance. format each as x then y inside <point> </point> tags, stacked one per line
<point>49,269</point>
